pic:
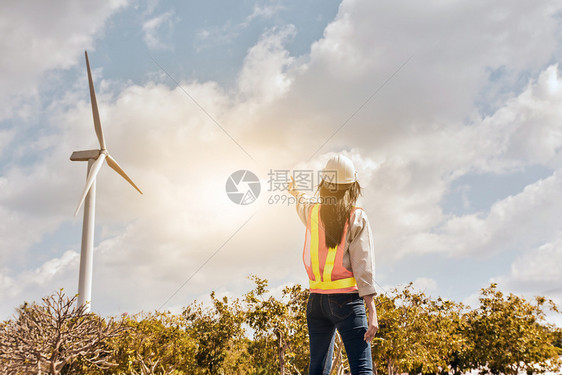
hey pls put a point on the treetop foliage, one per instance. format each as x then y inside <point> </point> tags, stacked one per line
<point>263,334</point>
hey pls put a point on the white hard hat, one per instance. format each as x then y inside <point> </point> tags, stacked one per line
<point>339,170</point>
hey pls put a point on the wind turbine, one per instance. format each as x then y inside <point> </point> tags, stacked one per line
<point>95,159</point>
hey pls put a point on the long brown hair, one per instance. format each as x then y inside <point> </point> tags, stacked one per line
<point>337,201</point>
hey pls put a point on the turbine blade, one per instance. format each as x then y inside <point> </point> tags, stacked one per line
<point>113,164</point>
<point>95,112</point>
<point>91,178</point>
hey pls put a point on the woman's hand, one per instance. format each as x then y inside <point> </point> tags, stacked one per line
<point>291,188</point>
<point>373,323</point>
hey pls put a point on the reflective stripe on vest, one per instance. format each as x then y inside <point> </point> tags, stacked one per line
<point>324,266</point>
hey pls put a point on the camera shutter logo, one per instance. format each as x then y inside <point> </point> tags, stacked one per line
<point>243,187</point>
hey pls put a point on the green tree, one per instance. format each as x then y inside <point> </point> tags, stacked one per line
<point>155,343</point>
<point>510,334</point>
<point>416,333</point>
<point>218,331</point>
<point>280,337</point>
<point>262,334</point>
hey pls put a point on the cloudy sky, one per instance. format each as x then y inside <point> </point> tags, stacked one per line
<point>450,111</point>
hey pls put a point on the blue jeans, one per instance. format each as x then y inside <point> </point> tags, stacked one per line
<point>345,312</point>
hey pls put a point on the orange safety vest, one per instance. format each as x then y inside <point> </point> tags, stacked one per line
<point>324,266</point>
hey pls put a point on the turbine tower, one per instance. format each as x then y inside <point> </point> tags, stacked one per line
<point>95,159</point>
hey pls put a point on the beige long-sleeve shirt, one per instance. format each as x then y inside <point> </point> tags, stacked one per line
<point>359,254</point>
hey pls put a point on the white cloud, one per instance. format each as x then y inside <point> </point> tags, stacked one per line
<point>451,65</point>
<point>265,11</point>
<point>537,270</point>
<point>7,285</point>
<point>56,273</point>
<point>229,31</point>
<point>535,134</point>
<point>209,37</point>
<point>425,284</point>
<point>264,74</point>
<point>512,224</point>
<point>526,131</point>
<point>6,136</point>
<point>155,27</point>
<point>48,270</point>
<point>40,36</point>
